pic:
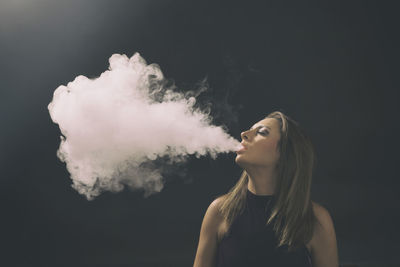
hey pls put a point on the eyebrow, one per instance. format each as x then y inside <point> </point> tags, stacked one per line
<point>260,126</point>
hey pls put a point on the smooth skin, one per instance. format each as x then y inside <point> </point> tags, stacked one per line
<point>259,160</point>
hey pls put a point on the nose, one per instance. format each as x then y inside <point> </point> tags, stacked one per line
<point>244,135</point>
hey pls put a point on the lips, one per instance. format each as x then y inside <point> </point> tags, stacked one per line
<point>241,148</point>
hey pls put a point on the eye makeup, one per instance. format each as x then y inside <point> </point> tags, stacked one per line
<point>261,126</point>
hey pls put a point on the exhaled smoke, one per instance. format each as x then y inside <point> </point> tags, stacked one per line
<point>116,126</point>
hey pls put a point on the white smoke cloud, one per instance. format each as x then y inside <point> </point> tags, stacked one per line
<point>114,125</point>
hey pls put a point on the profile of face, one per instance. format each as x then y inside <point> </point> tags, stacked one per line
<point>260,145</point>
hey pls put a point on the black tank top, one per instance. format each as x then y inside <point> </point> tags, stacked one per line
<point>251,243</point>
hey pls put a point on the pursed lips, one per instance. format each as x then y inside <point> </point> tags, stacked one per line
<point>241,148</point>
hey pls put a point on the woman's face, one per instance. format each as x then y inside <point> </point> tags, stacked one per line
<point>260,144</point>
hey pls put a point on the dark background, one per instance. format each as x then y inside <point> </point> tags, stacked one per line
<point>333,67</point>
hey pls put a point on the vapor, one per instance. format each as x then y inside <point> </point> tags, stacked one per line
<point>114,127</point>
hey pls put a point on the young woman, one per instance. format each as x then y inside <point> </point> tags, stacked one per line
<point>268,218</point>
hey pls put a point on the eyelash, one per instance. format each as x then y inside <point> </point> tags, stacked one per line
<point>262,133</point>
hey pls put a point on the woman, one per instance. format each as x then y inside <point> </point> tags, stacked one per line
<point>268,218</point>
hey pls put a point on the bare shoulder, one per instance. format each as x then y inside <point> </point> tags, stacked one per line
<point>218,201</point>
<point>318,209</point>
<point>323,244</point>
<point>322,214</point>
<point>208,239</point>
<point>214,207</point>
<point>212,219</point>
<point>217,218</point>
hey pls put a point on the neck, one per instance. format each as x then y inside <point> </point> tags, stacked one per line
<point>262,180</point>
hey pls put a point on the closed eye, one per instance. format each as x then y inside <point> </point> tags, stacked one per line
<point>262,132</point>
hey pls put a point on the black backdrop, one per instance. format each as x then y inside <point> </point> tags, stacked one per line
<point>331,66</point>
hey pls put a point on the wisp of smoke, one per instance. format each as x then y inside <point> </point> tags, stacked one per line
<point>112,126</point>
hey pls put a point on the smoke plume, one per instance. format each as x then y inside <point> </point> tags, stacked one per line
<point>115,127</point>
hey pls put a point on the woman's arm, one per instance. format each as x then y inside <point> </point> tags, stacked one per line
<point>323,244</point>
<point>207,247</point>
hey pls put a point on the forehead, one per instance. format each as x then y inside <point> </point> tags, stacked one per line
<point>269,122</point>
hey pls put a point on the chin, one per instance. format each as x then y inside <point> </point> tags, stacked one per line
<point>239,161</point>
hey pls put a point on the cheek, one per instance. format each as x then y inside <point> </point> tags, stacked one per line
<point>268,147</point>
<point>268,150</point>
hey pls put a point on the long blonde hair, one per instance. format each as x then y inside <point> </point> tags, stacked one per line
<point>292,213</point>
